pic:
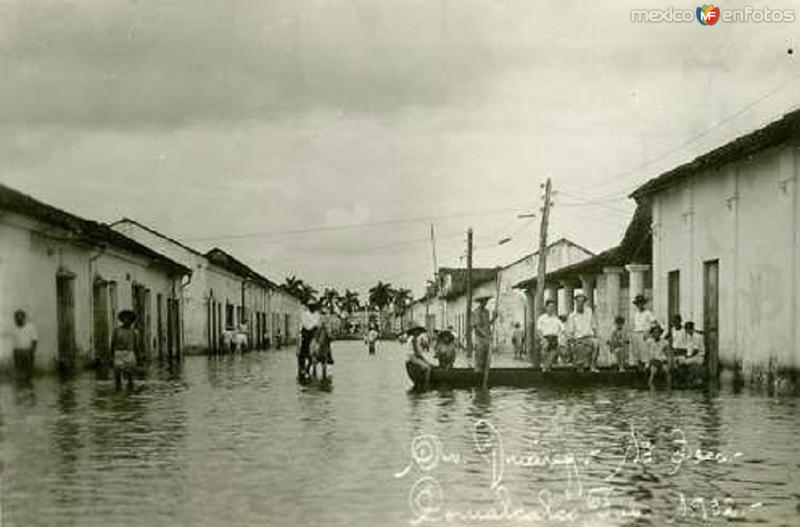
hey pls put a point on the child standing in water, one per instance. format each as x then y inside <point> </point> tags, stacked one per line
<point>124,347</point>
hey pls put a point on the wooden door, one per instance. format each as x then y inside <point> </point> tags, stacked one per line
<point>673,295</point>
<point>160,325</point>
<point>711,314</point>
<point>65,315</point>
<point>100,322</point>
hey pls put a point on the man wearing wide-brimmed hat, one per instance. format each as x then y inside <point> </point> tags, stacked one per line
<point>124,348</point>
<point>641,324</point>
<point>582,330</point>
<point>482,322</point>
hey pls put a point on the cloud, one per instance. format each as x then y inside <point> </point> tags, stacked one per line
<point>169,64</point>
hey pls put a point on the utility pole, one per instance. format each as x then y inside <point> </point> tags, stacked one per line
<point>435,274</point>
<point>538,304</point>
<point>469,293</point>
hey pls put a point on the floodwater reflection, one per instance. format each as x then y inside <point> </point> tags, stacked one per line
<point>234,440</point>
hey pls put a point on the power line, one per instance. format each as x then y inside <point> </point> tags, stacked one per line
<point>267,234</point>
<point>691,140</point>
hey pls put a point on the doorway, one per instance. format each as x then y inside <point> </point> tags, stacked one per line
<point>673,295</point>
<point>711,314</point>
<point>100,321</point>
<point>65,316</point>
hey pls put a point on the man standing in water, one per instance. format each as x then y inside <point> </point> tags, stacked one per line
<point>482,326</point>
<point>25,342</point>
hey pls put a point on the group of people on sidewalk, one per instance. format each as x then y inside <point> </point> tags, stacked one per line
<point>645,345</point>
<point>573,340</point>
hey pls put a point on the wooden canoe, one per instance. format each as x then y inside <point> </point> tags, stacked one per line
<point>566,376</point>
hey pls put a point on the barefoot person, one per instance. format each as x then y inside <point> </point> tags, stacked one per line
<point>125,348</point>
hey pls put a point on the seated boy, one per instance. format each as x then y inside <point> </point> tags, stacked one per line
<point>619,343</point>
<point>659,355</point>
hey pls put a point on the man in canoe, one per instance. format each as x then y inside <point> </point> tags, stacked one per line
<point>417,357</point>
<point>482,322</point>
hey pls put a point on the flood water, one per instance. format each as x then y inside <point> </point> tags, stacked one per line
<point>235,441</point>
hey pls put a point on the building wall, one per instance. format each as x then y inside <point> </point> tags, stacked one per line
<point>32,256</point>
<point>285,314</point>
<point>746,215</point>
<point>208,283</point>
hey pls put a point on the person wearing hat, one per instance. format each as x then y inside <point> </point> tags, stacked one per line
<point>581,330</point>
<point>482,322</point>
<point>642,322</point>
<point>309,322</point>
<point>125,348</point>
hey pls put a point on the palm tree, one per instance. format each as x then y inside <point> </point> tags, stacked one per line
<point>401,299</point>
<point>380,295</point>
<point>349,302</point>
<point>294,285</point>
<point>330,299</point>
<point>307,293</point>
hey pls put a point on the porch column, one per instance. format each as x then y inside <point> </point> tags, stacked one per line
<point>613,279</point>
<point>569,295</point>
<point>587,285</point>
<point>636,283</point>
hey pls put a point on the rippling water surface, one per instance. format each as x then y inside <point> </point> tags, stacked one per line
<point>235,441</point>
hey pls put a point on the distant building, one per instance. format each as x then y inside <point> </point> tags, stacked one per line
<point>73,276</point>
<point>610,280</point>
<point>726,249</point>
<point>498,283</point>
<point>222,295</point>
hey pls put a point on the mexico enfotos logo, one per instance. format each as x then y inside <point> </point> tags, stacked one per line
<point>709,15</point>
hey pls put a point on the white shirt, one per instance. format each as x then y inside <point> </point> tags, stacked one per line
<point>25,336</point>
<point>309,320</point>
<point>693,342</point>
<point>643,320</point>
<point>581,324</point>
<point>549,325</point>
<point>679,339</point>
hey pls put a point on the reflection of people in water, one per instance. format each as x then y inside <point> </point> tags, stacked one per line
<point>125,348</point>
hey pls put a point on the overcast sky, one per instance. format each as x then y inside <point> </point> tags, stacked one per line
<point>273,128</point>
